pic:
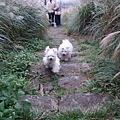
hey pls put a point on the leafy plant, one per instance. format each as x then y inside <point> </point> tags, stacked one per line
<point>11,90</point>
<point>18,63</point>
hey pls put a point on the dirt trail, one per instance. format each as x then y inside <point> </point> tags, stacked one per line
<point>64,91</point>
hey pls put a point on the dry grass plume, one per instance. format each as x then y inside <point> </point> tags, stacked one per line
<point>116,54</point>
<point>105,42</point>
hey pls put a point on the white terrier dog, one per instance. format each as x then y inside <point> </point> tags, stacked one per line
<point>51,60</point>
<point>65,50</point>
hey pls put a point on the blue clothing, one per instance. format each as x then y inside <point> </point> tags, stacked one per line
<point>57,9</point>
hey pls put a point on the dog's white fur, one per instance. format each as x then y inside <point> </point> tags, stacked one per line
<point>65,50</point>
<point>51,60</point>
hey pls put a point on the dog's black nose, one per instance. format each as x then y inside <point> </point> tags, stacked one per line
<point>63,54</point>
<point>50,58</point>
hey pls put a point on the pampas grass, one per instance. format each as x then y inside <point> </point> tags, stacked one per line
<point>111,42</point>
<point>105,42</point>
<point>116,54</point>
<point>117,75</point>
<point>21,24</point>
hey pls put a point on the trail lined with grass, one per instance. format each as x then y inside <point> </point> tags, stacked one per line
<point>87,87</point>
<point>64,91</point>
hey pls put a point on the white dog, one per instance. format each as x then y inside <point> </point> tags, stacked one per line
<point>65,50</point>
<point>51,60</point>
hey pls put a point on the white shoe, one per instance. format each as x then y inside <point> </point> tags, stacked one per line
<point>55,25</point>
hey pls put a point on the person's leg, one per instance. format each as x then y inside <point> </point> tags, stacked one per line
<point>52,15</point>
<point>52,18</point>
<point>57,20</point>
<point>49,17</point>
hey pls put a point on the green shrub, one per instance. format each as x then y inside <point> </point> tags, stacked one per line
<point>18,63</point>
<point>11,90</point>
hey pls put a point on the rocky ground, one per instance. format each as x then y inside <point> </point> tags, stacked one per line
<point>63,91</point>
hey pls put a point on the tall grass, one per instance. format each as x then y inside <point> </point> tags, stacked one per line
<point>102,21</point>
<point>104,26</point>
<point>111,44</point>
<point>101,18</point>
<point>19,24</point>
<point>106,18</point>
<point>22,32</point>
<point>80,18</point>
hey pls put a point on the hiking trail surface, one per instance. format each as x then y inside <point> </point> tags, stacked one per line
<point>63,91</point>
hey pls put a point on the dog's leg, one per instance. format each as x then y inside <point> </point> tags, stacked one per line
<point>45,62</point>
<point>69,56</point>
<point>62,58</point>
<point>56,68</point>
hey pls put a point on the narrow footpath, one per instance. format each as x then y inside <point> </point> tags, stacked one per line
<point>63,91</point>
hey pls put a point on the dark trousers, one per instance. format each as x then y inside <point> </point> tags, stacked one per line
<point>51,17</point>
<point>58,20</point>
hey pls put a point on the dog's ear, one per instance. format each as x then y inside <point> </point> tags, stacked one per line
<point>47,49</point>
<point>65,40</point>
<point>55,50</point>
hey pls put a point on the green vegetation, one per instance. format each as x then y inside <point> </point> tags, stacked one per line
<point>102,51</point>
<point>11,90</point>
<point>79,115</point>
<point>96,19</point>
<point>81,19</point>
<point>101,22</point>
<point>99,114</point>
<point>22,33</point>
<point>20,24</point>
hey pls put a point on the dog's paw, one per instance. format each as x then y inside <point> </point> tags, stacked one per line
<point>54,71</point>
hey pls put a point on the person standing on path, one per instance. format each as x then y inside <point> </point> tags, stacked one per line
<point>57,9</point>
<point>51,13</point>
